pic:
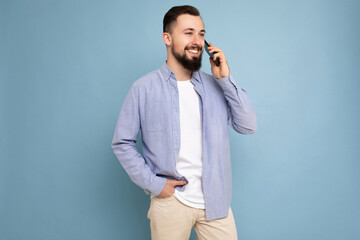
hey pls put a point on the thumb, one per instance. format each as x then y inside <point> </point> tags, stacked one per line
<point>176,183</point>
<point>212,62</point>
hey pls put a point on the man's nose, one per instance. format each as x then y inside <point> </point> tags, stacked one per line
<point>197,40</point>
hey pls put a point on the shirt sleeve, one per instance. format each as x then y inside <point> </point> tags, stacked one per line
<point>241,115</point>
<point>124,146</point>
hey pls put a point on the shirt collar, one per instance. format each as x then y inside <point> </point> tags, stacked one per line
<point>166,72</point>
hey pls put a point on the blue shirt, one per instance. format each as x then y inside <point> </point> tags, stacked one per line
<point>152,106</point>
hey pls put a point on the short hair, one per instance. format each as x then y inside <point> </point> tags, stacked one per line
<point>172,15</point>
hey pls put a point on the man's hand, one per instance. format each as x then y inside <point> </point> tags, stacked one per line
<point>169,188</point>
<point>218,71</point>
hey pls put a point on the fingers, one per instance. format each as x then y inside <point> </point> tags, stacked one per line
<point>176,183</point>
<point>181,182</point>
<point>169,188</point>
<point>211,48</point>
<point>217,53</point>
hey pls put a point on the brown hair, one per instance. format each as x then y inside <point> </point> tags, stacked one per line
<point>171,16</point>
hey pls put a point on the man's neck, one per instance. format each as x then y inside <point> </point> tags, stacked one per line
<point>181,73</point>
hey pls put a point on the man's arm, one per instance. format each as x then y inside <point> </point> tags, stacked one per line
<point>241,115</point>
<point>124,146</point>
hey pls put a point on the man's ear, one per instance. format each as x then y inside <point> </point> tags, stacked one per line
<point>167,38</point>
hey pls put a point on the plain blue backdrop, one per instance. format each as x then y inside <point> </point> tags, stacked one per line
<point>66,67</point>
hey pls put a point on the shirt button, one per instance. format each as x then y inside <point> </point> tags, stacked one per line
<point>207,196</point>
<point>204,176</point>
<point>204,134</point>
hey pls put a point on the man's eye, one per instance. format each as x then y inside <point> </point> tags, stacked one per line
<point>189,33</point>
<point>202,35</point>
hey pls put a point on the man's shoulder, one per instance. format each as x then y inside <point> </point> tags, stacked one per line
<point>206,77</point>
<point>205,74</point>
<point>148,79</point>
<point>155,77</point>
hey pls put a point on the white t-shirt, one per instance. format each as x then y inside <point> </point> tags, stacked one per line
<point>189,163</point>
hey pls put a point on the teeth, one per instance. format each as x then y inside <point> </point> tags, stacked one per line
<point>193,51</point>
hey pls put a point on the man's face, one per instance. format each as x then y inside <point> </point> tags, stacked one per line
<point>188,41</point>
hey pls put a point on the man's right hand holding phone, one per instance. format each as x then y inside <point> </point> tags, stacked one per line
<point>222,70</point>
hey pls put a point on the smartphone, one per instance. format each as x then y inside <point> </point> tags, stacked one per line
<point>217,60</point>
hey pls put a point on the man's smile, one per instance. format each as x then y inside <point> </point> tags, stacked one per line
<point>193,51</point>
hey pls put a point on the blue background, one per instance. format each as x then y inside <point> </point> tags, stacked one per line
<point>66,67</point>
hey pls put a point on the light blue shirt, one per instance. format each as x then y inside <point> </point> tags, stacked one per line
<point>152,106</point>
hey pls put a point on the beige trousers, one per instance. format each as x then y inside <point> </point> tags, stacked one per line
<point>170,219</point>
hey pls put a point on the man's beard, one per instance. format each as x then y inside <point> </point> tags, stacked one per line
<point>193,64</point>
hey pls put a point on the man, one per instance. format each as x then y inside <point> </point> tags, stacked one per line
<point>183,114</point>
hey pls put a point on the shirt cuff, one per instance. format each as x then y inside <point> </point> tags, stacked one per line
<point>227,82</point>
<point>158,185</point>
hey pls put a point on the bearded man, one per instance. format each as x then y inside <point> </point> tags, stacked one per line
<point>183,114</point>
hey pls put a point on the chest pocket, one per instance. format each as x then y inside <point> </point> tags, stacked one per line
<point>156,116</point>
